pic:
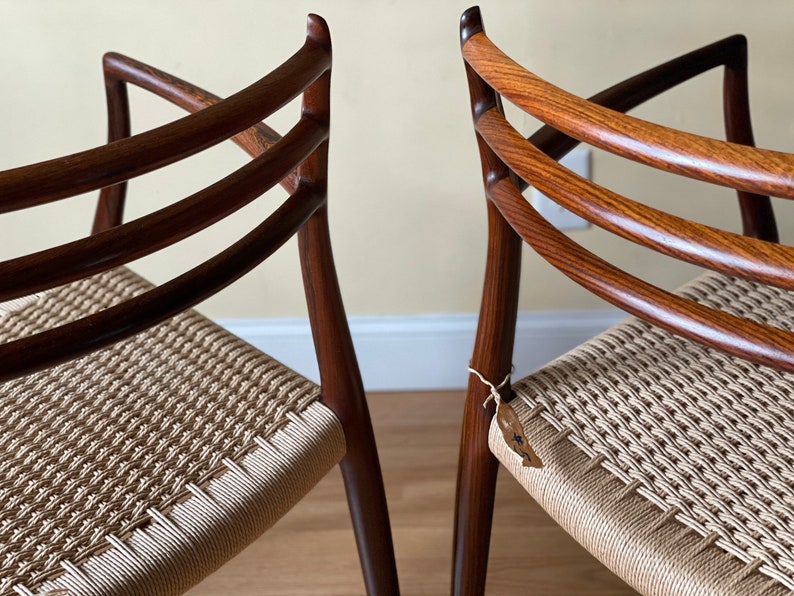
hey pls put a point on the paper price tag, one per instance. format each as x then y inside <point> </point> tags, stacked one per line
<point>509,424</point>
<point>513,433</point>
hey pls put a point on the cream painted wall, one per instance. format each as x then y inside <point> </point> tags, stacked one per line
<point>407,209</point>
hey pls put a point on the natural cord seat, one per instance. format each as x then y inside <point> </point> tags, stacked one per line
<point>681,472</point>
<point>666,441</point>
<point>143,445</point>
<point>98,449</point>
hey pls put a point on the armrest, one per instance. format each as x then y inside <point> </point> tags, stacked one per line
<point>119,71</point>
<point>756,210</point>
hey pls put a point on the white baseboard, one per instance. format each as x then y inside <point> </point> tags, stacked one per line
<point>424,352</point>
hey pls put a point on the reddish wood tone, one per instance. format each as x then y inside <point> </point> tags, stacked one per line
<point>298,161</point>
<point>343,390</point>
<point>492,357</point>
<point>511,163</point>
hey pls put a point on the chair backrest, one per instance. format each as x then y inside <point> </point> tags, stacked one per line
<point>511,162</point>
<point>297,160</point>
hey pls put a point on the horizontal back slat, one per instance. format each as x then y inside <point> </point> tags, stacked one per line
<point>126,158</point>
<point>736,166</point>
<point>48,348</point>
<point>122,69</point>
<point>640,88</point>
<point>758,343</point>
<point>143,236</point>
<point>695,243</point>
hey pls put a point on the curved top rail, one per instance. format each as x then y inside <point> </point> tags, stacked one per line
<point>752,341</point>
<point>120,68</point>
<point>109,164</point>
<point>636,90</point>
<point>132,240</point>
<point>733,254</point>
<point>703,158</point>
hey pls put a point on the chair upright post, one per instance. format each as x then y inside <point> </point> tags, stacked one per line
<point>110,206</point>
<point>758,219</point>
<point>340,377</point>
<point>343,392</point>
<point>492,357</point>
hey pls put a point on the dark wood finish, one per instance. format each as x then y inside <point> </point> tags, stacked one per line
<point>298,160</point>
<point>110,209</point>
<point>511,163</point>
<point>492,357</point>
<point>123,243</point>
<point>343,390</point>
<point>120,70</point>
<point>408,427</point>
<point>124,159</point>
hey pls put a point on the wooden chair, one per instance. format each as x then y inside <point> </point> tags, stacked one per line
<point>666,442</point>
<point>143,445</point>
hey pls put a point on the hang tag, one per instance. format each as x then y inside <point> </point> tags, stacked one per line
<point>509,424</point>
<point>513,433</point>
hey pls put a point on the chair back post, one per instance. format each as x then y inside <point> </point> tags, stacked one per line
<point>492,357</point>
<point>110,206</point>
<point>340,377</point>
<point>298,160</point>
<point>758,218</point>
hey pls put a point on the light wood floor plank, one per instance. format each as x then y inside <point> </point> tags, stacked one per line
<point>312,551</point>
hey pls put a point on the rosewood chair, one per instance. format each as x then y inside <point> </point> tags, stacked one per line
<point>667,442</point>
<point>142,445</point>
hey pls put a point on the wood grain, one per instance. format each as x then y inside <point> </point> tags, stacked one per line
<point>311,551</point>
<point>298,160</point>
<point>510,163</point>
<point>747,169</point>
<point>720,250</point>
<point>736,166</point>
<point>121,160</point>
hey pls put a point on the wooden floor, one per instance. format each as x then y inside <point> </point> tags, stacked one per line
<point>312,549</point>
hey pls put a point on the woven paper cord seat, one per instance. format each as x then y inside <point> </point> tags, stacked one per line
<point>665,446</point>
<point>158,458</point>
<point>692,452</point>
<point>141,445</point>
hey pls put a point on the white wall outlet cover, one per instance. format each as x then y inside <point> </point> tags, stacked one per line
<point>578,161</point>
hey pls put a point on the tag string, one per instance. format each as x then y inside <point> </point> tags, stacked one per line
<point>508,422</point>
<point>494,389</point>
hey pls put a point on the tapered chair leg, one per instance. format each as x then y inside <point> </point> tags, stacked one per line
<point>367,502</point>
<point>493,351</point>
<point>475,496</point>
<point>343,392</point>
